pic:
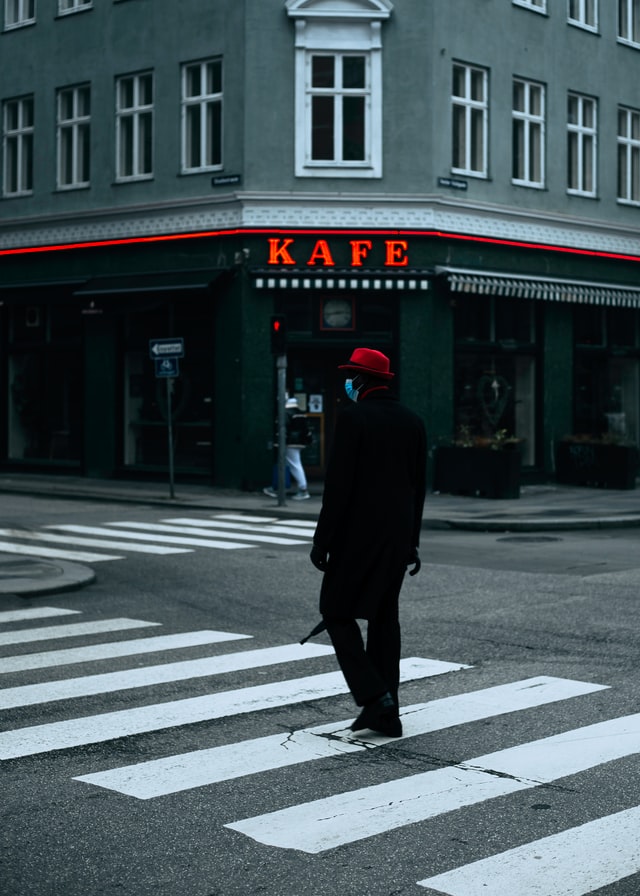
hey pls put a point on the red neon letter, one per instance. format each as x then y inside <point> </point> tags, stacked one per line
<point>395,250</point>
<point>278,254</point>
<point>359,250</point>
<point>321,250</point>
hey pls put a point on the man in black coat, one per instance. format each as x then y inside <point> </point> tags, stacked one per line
<point>368,533</point>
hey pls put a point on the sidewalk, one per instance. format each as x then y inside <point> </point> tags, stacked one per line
<point>540,508</point>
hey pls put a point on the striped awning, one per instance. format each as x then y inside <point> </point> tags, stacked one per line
<point>348,279</point>
<point>550,289</point>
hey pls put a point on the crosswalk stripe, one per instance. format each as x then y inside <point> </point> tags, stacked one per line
<point>142,536</point>
<point>241,518</point>
<point>108,682</point>
<point>33,613</point>
<point>199,768</point>
<point>572,863</point>
<point>282,529</point>
<point>9,547</point>
<point>112,650</point>
<point>72,630</point>
<point>93,542</point>
<point>208,532</point>
<point>108,726</point>
<point>324,824</point>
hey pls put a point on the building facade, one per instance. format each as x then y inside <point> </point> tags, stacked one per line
<point>454,185</point>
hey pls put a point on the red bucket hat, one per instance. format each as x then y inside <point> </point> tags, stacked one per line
<point>368,360</point>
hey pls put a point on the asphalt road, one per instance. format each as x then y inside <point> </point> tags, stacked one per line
<point>499,609</point>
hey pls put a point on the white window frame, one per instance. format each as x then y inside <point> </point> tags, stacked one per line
<point>533,5</point>
<point>138,114</point>
<point>17,147</point>
<point>585,139</point>
<point>71,134</point>
<point>202,103</point>
<point>629,22</point>
<point>67,7</point>
<point>473,111</point>
<point>18,13</point>
<point>629,157</point>
<point>532,128</point>
<point>352,28</point>
<point>583,14</point>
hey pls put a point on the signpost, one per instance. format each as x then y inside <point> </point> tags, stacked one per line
<point>165,354</point>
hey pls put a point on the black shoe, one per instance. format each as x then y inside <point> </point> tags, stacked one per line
<point>381,716</point>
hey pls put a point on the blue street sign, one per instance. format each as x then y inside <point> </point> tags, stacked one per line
<point>166,348</point>
<point>167,367</point>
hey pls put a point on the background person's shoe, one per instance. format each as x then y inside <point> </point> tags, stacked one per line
<point>270,492</point>
<point>301,496</point>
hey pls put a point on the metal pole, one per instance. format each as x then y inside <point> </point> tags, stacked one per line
<point>281,367</point>
<point>170,431</point>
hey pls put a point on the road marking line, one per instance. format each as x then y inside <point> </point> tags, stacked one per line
<point>572,863</point>
<point>9,547</point>
<point>92,542</point>
<point>33,613</point>
<point>72,630</point>
<point>216,522</point>
<point>112,650</point>
<point>208,532</point>
<point>141,536</point>
<point>108,682</point>
<point>158,716</point>
<point>347,817</point>
<point>199,768</point>
<point>303,524</point>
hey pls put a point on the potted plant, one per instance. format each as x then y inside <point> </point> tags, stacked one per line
<point>606,461</point>
<point>480,466</point>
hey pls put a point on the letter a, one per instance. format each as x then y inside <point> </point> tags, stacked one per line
<point>321,250</point>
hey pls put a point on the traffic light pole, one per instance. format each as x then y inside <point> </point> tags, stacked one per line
<point>281,368</point>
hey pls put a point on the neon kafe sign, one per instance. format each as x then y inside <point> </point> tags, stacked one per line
<point>390,253</point>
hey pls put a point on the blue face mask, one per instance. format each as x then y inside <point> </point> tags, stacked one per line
<point>351,392</point>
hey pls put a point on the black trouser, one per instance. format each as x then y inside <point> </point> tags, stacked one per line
<point>375,669</point>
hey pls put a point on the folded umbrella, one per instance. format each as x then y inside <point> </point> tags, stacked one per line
<point>320,627</point>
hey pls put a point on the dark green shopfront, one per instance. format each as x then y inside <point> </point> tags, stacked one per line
<point>485,336</point>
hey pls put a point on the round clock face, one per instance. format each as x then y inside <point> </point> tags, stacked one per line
<point>337,313</point>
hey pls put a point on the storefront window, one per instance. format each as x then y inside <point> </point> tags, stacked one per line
<point>495,370</point>
<point>45,377</point>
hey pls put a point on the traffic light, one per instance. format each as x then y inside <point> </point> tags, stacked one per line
<point>278,334</point>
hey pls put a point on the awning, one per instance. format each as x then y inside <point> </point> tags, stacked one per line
<point>170,281</point>
<point>293,278</point>
<point>521,286</point>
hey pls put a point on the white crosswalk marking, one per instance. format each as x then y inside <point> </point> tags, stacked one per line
<point>327,823</point>
<point>50,691</point>
<point>142,536</point>
<point>216,530</point>
<point>571,863</point>
<point>9,547</point>
<point>108,726</point>
<point>281,527</point>
<point>113,650</point>
<point>72,630</point>
<point>34,613</point>
<point>92,542</point>
<point>201,767</point>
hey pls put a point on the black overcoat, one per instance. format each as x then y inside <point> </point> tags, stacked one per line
<point>372,504</point>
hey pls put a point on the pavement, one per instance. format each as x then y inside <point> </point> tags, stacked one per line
<point>540,508</point>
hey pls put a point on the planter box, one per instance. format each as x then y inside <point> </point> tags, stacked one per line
<point>602,466</point>
<point>480,472</point>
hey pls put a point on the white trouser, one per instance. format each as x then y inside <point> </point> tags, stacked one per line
<point>295,466</point>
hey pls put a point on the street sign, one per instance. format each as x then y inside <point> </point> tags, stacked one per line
<point>166,348</point>
<point>167,367</point>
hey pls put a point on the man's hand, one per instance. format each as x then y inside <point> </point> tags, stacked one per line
<point>318,558</point>
<point>414,560</point>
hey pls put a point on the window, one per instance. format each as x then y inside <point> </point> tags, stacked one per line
<point>18,146</point>
<point>584,13</point>
<point>581,145</point>
<point>535,5</point>
<point>629,21</point>
<point>202,116</point>
<point>528,133</point>
<point>338,123</point>
<point>134,127</point>
<point>19,12</point>
<point>629,155</point>
<point>74,151</point>
<point>66,6</point>
<point>470,118</point>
